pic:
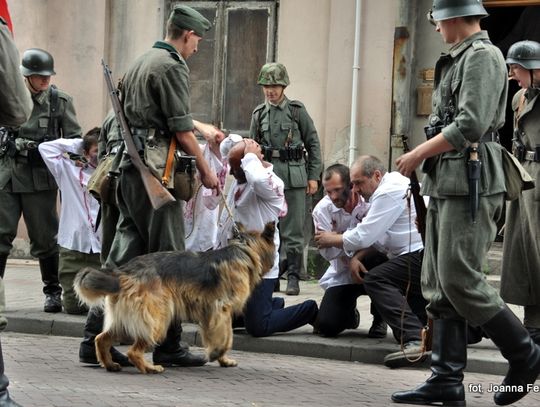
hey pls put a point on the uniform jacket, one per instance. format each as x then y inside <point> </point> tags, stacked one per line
<point>472,78</point>
<point>520,280</point>
<point>270,126</point>
<point>15,103</point>
<point>24,176</point>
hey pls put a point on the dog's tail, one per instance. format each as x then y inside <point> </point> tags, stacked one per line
<point>93,285</point>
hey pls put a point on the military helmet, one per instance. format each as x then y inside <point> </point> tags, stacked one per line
<point>446,9</point>
<point>524,53</point>
<point>273,73</point>
<point>36,61</point>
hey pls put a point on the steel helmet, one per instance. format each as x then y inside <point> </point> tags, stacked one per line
<point>273,73</point>
<point>524,53</point>
<point>36,61</point>
<point>446,9</point>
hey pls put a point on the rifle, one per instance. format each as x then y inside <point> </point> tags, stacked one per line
<point>421,211</point>
<point>157,194</point>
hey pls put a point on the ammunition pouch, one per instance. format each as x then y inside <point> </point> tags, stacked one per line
<point>284,153</point>
<point>185,180</point>
<point>98,183</point>
<point>432,131</point>
<point>7,143</point>
<point>518,149</point>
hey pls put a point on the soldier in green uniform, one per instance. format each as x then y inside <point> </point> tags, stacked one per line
<point>15,108</point>
<point>520,278</point>
<point>26,185</point>
<point>469,102</point>
<point>289,140</point>
<point>157,107</point>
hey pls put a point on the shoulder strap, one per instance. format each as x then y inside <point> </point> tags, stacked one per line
<point>54,113</point>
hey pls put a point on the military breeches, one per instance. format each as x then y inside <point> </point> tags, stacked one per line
<point>456,249</point>
<point>291,227</point>
<point>40,217</point>
<point>141,229</point>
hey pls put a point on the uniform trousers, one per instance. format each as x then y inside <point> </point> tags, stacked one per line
<point>456,249</point>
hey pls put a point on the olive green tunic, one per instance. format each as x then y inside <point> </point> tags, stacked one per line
<point>270,126</point>
<point>520,278</point>
<point>473,79</point>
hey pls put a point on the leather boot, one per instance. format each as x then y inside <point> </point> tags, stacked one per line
<point>5,400</point>
<point>3,261</point>
<point>51,285</point>
<point>448,360</point>
<point>523,355</point>
<point>171,352</point>
<point>87,350</point>
<point>294,263</point>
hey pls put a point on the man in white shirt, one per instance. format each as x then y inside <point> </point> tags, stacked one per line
<point>72,162</point>
<point>257,197</point>
<point>338,211</point>
<point>388,227</point>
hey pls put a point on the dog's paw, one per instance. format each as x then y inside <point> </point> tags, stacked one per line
<point>227,362</point>
<point>113,367</point>
<point>153,369</point>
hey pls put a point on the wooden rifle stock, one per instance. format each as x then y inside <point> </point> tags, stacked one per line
<point>157,194</point>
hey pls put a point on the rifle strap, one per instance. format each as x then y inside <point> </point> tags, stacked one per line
<point>169,163</point>
<point>54,114</point>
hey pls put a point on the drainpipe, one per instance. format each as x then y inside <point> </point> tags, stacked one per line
<point>353,149</point>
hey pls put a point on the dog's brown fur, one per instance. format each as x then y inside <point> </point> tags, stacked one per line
<point>143,297</point>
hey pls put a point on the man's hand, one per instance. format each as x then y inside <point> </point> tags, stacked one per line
<point>326,239</point>
<point>211,181</point>
<point>312,187</point>
<point>211,134</point>
<point>358,270</point>
<point>408,162</point>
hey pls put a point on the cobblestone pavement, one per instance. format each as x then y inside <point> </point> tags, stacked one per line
<point>44,371</point>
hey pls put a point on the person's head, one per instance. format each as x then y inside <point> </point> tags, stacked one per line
<point>90,145</point>
<point>337,184</point>
<point>37,66</point>
<point>237,152</point>
<point>523,58</point>
<point>274,79</point>
<point>366,175</point>
<point>456,19</point>
<point>185,28</point>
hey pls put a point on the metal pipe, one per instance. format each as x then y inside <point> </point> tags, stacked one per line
<point>353,149</point>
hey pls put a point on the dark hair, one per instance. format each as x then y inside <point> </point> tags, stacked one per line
<point>341,170</point>
<point>173,31</point>
<point>90,139</point>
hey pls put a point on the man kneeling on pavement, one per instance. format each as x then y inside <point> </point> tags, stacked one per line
<point>388,227</point>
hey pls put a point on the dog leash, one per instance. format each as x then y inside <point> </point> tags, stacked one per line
<point>236,231</point>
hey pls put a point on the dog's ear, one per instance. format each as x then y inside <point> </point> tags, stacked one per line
<point>269,231</point>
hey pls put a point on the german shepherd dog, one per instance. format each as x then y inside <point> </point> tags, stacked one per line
<point>144,296</point>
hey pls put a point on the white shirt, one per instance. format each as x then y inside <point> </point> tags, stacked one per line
<point>78,209</point>
<point>255,203</point>
<point>328,217</point>
<point>388,225</point>
<point>201,213</point>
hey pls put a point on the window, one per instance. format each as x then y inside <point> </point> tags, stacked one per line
<point>224,71</point>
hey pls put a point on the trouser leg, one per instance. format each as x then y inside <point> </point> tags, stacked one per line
<point>337,309</point>
<point>51,283</point>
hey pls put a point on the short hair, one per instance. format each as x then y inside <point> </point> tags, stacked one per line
<point>368,164</point>
<point>173,31</point>
<point>90,139</point>
<point>341,170</point>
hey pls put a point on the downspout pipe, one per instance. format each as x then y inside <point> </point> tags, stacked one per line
<point>353,148</point>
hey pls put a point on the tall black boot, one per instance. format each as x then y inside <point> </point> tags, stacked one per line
<point>51,284</point>
<point>294,265</point>
<point>448,360</point>
<point>92,328</point>
<point>523,355</point>
<point>5,400</point>
<point>170,352</point>
<point>3,261</point>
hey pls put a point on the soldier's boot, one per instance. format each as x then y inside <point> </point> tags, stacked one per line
<point>523,355</point>
<point>87,350</point>
<point>282,270</point>
<point>294,261</point>
<point>3,261</point>
<point>51,285</point>
<point>171,352</point>
<point>448,360</point>
<point>5,400</point>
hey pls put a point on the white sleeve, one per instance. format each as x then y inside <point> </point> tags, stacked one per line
<point>265,183</point>
<point>322,220</point>
<point>53,152</point>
